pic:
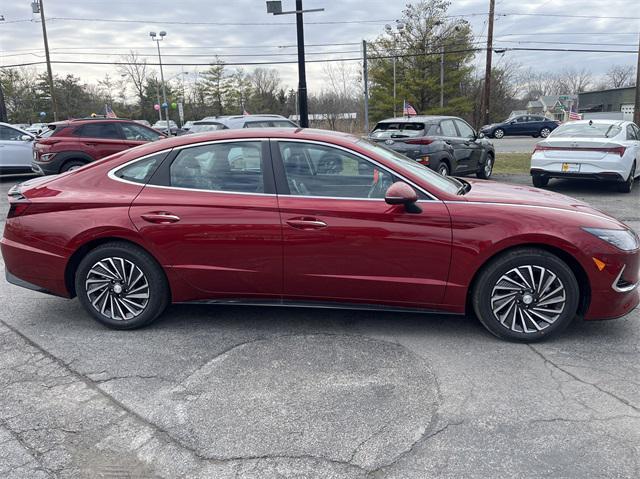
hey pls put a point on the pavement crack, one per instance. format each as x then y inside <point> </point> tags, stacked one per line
<point>580,380</point>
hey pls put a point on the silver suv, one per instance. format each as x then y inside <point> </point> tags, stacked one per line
<point>212,123</point>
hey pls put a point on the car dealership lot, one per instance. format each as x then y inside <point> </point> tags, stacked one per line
<point>212,391</point>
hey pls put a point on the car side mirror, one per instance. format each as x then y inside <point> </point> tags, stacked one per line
<point>400,193</point>
<point>513,122</point>
<point>26,138</point>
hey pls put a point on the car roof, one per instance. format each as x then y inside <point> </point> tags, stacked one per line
<point>79,121</point>
<point>419,119</point>
<point>13,127</point>
<point>603,121</point>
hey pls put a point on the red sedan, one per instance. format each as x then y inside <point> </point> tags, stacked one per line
<point>313,218</point>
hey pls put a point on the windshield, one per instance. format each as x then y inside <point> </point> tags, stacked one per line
<point>587,130</point>
<point>399,130</point>
<point>199,127</point>
<point>444,183</point>
<point>47,133</point>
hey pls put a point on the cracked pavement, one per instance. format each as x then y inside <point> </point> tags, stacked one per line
<point>244,392</point>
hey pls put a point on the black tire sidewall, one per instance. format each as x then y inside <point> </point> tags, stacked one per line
<point>70,164</point>
<point>158,287</point>
<point>443,165</point>
<point>481,173</point>
<point>481,297</point>
<point>540,181</point>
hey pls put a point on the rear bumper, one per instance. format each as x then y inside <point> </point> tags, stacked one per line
<point>601,176</point>
<point>610,167</point>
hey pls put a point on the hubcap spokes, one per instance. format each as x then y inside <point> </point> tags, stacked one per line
<point>117,288</point>
<point>528,299</point>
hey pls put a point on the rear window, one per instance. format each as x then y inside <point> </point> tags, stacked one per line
<point>200,127</point>
<point>587,130</point>
<point>49,131</point>
<point>270,124</point>
<point>141,170</point>
<point>402,129</point>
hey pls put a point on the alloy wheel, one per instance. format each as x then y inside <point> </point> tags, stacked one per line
<point>528,299</point>
<point>498,133</point>
<point>443,170</point>
<point>488,167</point>
<point>545,132</point>
<point>117,288</point>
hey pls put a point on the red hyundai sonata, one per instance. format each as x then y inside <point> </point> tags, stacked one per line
<point>313,218</point>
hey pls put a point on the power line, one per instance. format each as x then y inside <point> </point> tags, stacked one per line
<point>189,54</point>
<point>564,15</point>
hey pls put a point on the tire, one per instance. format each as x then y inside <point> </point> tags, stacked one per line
<point>124,263</point>
<point>540,181</point>
<point>72,165</point>
<point>517,313</point>
<point>627,186</point>
<point>545,132</point>
<point>498,133</point>
<point>443,168</point>
<point>484,173</point>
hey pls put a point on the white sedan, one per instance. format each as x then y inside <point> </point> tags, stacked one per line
<point>16,150</point>
<point>607,150</point>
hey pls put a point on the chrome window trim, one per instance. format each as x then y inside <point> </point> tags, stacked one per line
<point>366,158</point>
<point>625,289</point>
<point>112,172</point>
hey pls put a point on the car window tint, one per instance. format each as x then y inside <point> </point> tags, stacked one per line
<point>521,119</point>
<point>231,166</point>
<point>448,128</point>
<point>637,130</point>
<point>318,170</point>
<point>9,134</point>
<point>99,130</point>
<point>587,130</point>
<point>141,170</point>
<point>257,124</point>
<point>465,130</point>
<point>398,130</point>
<point>138,133</point>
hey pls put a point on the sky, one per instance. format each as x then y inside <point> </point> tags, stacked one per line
<point>99,38</point>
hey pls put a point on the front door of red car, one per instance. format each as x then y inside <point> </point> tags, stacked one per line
<point>135,135</point>
<point>210,214</point>
<point>344,243</point>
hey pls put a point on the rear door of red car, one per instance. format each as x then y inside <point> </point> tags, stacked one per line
<point>99,139</point>
<point>210,214</point>
<point>344,243</point>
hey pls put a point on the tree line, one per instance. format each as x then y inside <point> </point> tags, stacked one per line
<point>429,44</point>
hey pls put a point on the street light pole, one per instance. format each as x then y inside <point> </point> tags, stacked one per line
<point>636,108</point>
<point>164,92</point>
<point>399,28</point>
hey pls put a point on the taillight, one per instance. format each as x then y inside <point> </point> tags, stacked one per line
<point>619,150</point>
<point>420,141</point>
<point>18,204</point>
<point>424,160</point>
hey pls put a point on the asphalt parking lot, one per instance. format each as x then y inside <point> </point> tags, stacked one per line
<point>243,392</point>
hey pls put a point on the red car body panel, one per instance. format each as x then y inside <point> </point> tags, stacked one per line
<point>270,247</point>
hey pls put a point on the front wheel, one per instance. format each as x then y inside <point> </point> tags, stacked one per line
<point>499,133</point>
<point>526,295</point>
<point>485,172</point>
<point>627,186</point>
<point>121,286</point>
<point>72,165</point>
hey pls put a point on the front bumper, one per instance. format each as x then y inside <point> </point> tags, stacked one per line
<point>45,168</point>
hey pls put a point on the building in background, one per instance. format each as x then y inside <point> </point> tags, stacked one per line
<point>617,102</point>
<point>556,107</point>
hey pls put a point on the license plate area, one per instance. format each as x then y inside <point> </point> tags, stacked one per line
<point>570,167</point>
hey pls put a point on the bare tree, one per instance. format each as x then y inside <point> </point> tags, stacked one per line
<point>620,76</point>
<point>136,71</point>
<point>572,81</point>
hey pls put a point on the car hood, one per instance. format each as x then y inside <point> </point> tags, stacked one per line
<point>494,192</point>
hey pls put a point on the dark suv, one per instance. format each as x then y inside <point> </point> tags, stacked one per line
<point>522,125</point>
<point>67,145</point>
<point>446,144</point>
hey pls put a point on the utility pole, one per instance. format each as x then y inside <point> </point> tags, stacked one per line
<point>442,77</point>
<point>487,71</point>
<point>38,6</point>
<point>365,81</point>
<point>275,7</point>
<point>636,108</point>
<point>164,92</point>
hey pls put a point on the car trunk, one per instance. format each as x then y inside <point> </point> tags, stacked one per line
<point>578,148</point>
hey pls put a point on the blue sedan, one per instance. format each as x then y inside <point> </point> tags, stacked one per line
<point>522,125</point>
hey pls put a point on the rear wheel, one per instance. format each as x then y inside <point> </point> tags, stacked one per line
<point>499,133</point>
<point>72,165</point>
<point>121,286</point>
<point>443,169</point>
<point>486,170</point>
<point>526,295</point>
<point>540,181</point>
<point>545,132</point>
<point>627,186</point>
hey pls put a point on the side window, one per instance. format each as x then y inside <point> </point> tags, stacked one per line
<point>318,170</point>
<point>637,130</point>
<point>99,130</point>
<point>9,134</point>
<point>465,130</point>
<point>257,124</point>
<point>138,133</point>
<point>448,128</point>
<point>233,166</point>
<point>521,119</point>
<point>631,134</point>
<point>141,171</point>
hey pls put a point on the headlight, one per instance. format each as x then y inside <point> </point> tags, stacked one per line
<point>47,156</point>
<point>626,240</point>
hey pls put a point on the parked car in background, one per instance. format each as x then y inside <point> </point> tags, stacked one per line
<point>143,122</point>
<point>187,125</point>
<point>264,217</point>
<point>521,125</point>
<point>67,145</point>
<point>161,125</point>
<point>606,150</point>
<point>206,125</point>
<point>446,144</point>
<point>15,149</point>
<point>21,126</point>
<point>250,121</point>
<point>36,128</point>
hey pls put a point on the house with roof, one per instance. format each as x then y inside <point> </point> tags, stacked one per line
<point>556,107</point>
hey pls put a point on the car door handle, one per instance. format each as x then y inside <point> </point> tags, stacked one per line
<point>160,217</point>
<point>306,223</point>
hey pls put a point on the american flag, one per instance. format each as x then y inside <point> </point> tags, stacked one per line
<point>108,112</point>
<point>574,115</point>
<point>408,110</point>
<point>245,112</point>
